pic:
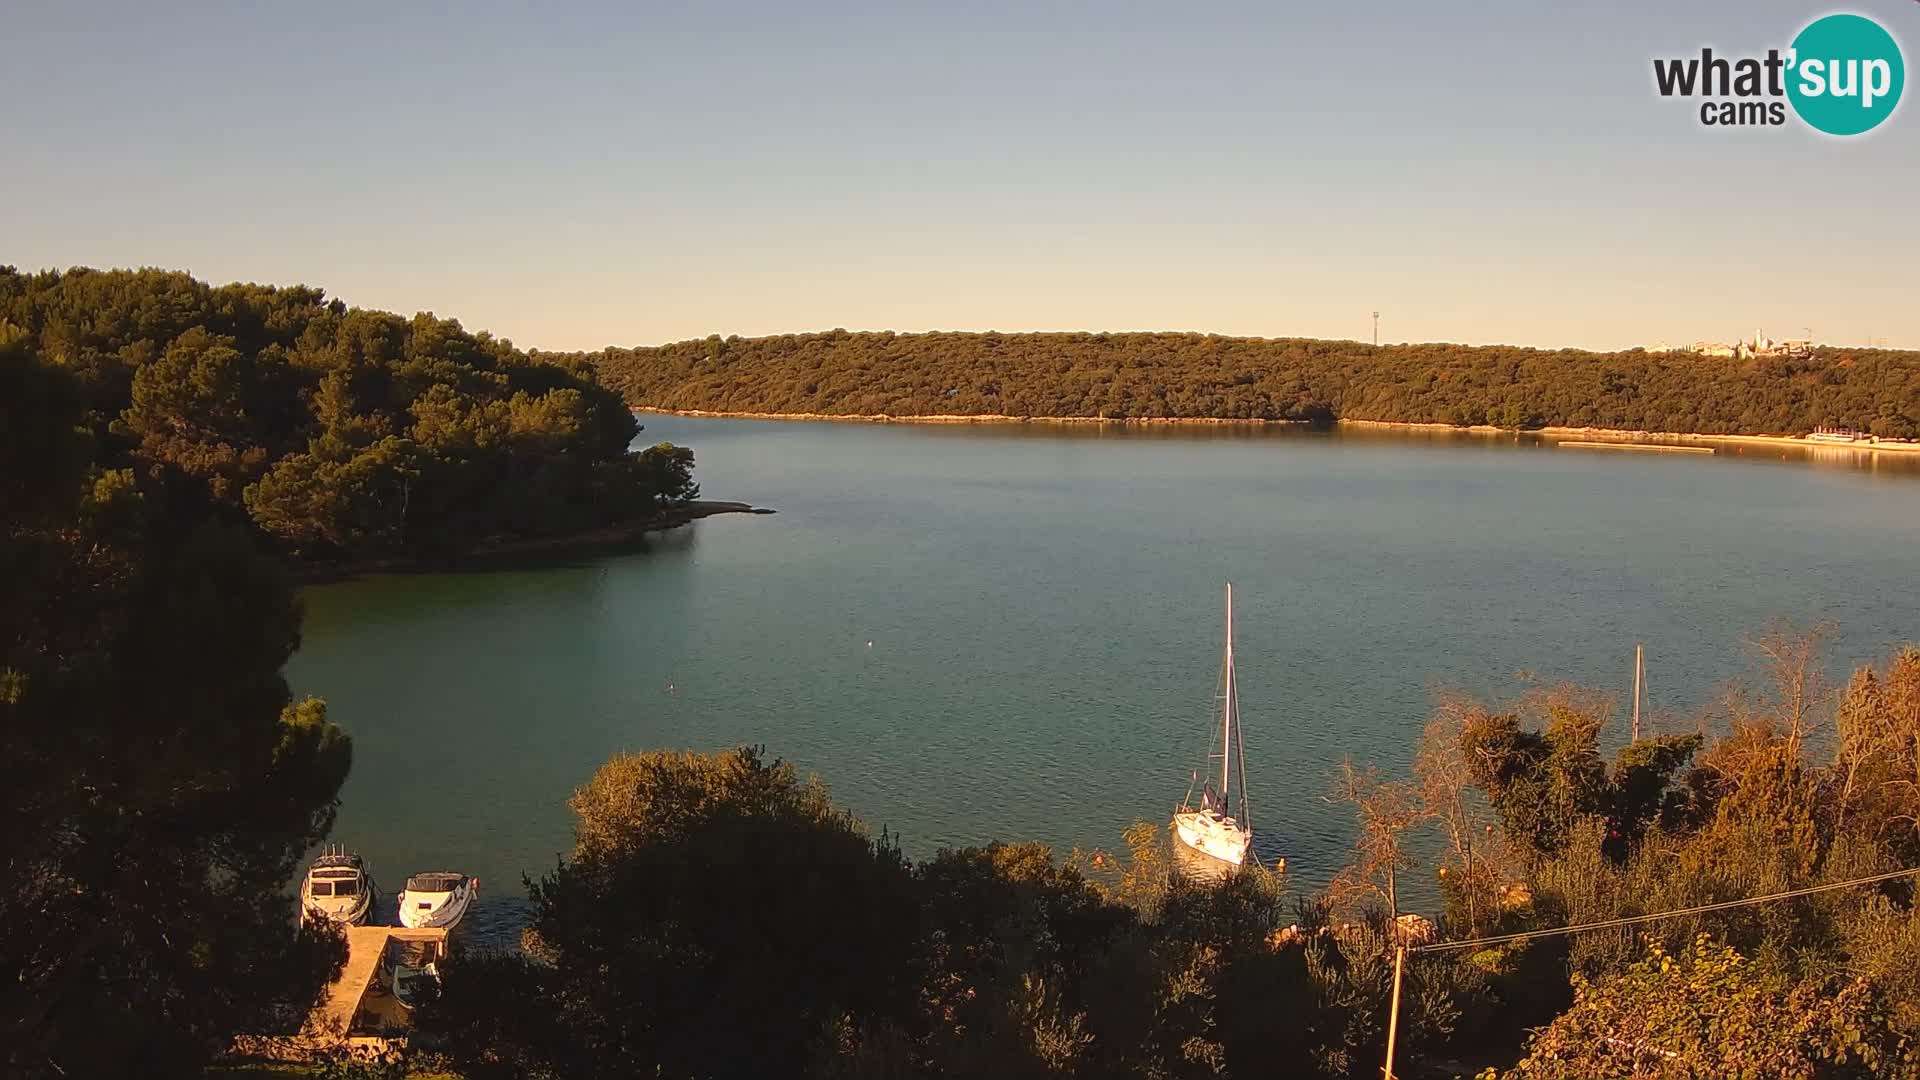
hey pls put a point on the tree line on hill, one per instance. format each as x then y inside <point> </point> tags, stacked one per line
<point>719,917</point>
<point>335,432</point>
<point>1165,375</point>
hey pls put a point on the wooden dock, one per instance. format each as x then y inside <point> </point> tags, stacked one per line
<point>358,1009</point>
<point>1645,448</point>
<point>346,997</point>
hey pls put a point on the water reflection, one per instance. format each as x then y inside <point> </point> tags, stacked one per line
<point>1194,866</point>
<point>1852,459</point>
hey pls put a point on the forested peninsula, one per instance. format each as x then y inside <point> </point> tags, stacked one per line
<point>339,436</point>
<point>1147,376</point>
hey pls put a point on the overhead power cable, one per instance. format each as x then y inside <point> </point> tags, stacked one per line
<point>1633,920</point>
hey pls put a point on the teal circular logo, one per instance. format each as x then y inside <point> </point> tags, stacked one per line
<point>1846,74</point>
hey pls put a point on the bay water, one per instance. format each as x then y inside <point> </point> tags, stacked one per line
<point>983,632</point>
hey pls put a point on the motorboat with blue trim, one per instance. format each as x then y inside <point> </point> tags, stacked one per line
<point>437,899</point>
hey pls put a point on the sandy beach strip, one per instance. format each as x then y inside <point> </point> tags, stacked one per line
<point>1607,435</point>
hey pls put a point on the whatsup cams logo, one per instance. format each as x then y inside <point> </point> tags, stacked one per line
<point>1842,75</point>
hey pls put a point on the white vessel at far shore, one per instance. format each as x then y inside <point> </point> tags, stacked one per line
<point>1214,828</point>
<point>1837,435</point>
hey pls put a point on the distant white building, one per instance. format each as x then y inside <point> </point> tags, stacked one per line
<point>1761,345</point>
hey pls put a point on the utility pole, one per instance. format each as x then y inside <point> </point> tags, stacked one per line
<point>1376,329</point>
<point>1393,1017</point>
<point>1472,885</point>
<point>1638,664</point>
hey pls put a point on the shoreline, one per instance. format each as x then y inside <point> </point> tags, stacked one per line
<point>964,418</point>
<point>1649,438</point>
<point>1619,435</point>
<point>527,551</point>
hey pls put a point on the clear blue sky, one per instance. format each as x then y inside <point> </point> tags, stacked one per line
<point>575,176</point>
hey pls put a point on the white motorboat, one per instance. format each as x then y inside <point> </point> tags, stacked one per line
<point>438,898</point>
<point>337,888</point>
<point>1214,828</point>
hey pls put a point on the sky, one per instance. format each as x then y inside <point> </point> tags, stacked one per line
<point>576,176</point>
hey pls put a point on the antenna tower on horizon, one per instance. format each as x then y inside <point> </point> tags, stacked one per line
<point>1376,329</point>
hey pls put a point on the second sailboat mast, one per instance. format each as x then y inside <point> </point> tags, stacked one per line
<point>1226,721</point>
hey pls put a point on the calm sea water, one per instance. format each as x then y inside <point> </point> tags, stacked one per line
<point>1013,632</point>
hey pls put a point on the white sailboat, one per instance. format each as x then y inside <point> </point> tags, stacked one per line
<point>1213,828</point>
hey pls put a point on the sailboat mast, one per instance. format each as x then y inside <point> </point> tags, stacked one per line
<point>1638,665</point>
<point>1226,714</point>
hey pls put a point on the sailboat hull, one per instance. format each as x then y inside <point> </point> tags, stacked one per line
<point>1214,836</point>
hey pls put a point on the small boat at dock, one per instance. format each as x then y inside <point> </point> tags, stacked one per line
<point>1217,828</point>
<point>337,888</point>
<point>437,899</point>
<point>413,969</point>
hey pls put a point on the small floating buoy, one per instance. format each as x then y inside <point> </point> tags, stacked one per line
<point>869,644</point>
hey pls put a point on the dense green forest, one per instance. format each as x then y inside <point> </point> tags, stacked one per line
<point>336,431</point>
<point>720,918</point>
<point>161,784</point>
<point>1153,375</point>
